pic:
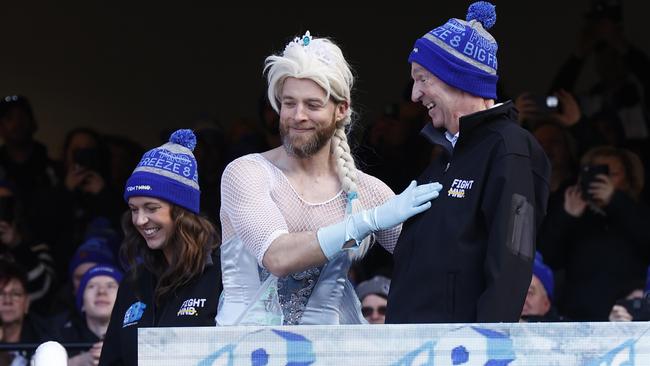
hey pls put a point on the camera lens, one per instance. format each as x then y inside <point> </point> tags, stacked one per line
<point>551,101</point>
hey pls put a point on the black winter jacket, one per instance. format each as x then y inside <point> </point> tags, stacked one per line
<point>468,258</point>
<point>193,305</point>
<point>605,257</point>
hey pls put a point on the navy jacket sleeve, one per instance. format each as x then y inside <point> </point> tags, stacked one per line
<point>514,201</point>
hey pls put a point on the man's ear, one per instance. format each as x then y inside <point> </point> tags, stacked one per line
<point>341,110</point>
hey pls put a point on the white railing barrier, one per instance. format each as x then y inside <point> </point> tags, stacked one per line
<point>513,344</point>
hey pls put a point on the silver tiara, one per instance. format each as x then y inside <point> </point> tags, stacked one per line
<point>316,47</point>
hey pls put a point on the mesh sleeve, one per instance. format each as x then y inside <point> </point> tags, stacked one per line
<point>374,192</point>
<point>247,204</point>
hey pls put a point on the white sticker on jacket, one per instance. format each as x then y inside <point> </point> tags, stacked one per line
<point>459,188</point>
<point>190,307</point>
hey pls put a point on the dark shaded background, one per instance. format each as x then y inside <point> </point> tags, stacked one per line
<point>136,69</point>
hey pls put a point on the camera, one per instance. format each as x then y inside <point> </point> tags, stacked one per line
<point>548,103</point>
<point>552,102</point>
<point>588,175</point>
<point>639,308</point>
<point>92,159</point>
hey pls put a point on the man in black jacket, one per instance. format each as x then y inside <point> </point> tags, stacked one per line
<point>469,257</point>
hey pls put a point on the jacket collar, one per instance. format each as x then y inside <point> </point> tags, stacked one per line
<point>468,124</point>
<point>436,136</point>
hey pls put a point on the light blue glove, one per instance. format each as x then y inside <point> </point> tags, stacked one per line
<point>412,201</point>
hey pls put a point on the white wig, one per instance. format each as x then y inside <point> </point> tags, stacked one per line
<point>316,59</point>
<point>320,60</point>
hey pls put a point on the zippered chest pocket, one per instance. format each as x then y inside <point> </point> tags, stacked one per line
<point>521,227</point>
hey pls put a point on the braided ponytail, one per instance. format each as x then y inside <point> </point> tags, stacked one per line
<point>347,172</point>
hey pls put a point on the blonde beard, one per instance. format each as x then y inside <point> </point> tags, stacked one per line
<point>314,143</point>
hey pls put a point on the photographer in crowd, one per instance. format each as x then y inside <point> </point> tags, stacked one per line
<point>599,234</point>
<point>635,306</point>
<point>85,194</point>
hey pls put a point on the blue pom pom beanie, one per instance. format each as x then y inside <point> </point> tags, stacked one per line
<point>462,53</point>
<point>95,249</point>
<point>99,270</point>
<point>168,172</point>
<point>544,274</point>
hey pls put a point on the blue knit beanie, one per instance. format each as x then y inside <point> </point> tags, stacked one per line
<point>462,53</point>
<point>168,172</point>
<point>98,270</point>
<point>95,249</point>
<point>544,274</point>
<point>101,227</point>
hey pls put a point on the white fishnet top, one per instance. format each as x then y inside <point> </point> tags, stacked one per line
<point>258,204</point>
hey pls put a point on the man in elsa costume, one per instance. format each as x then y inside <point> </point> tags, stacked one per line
<point>293,218</point>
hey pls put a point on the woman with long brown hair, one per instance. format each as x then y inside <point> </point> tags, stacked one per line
<point>173,280</point>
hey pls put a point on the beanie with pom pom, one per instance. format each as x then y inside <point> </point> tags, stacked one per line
<point>462,53</point>
<point>168,172</point>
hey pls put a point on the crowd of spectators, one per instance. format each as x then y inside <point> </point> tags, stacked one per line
<point>60,220</point>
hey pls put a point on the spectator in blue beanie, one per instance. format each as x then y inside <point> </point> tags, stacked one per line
<point>93,251</point>
<point>94,302</point>
<point>539,299</point>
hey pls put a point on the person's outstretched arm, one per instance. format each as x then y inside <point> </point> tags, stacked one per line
<point>247,201</point>
<point>293,252</point>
